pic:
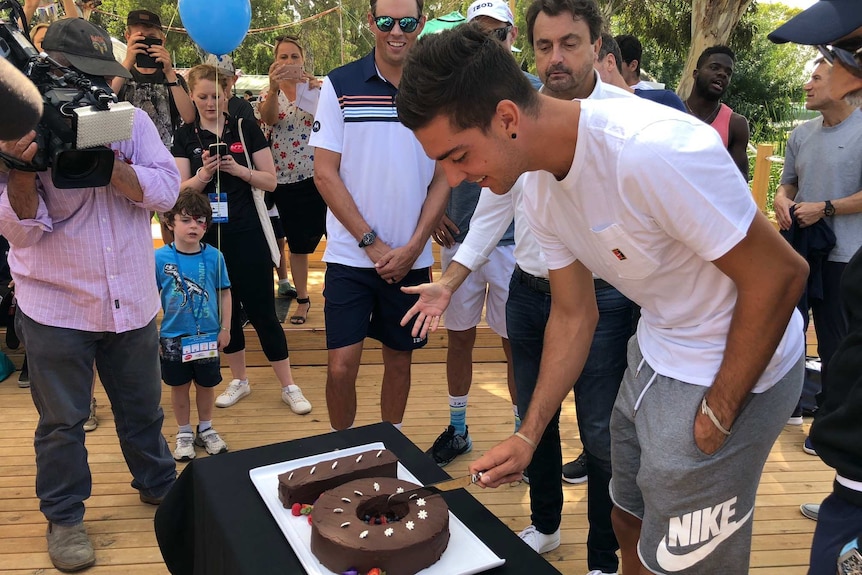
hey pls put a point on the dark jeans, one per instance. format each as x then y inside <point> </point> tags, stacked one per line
<point>839,521</point>
<point>61,374</point>
<point>830,321</point>
<point>596,390</point>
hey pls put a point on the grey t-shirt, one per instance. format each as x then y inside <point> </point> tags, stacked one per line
<point>825,163</point>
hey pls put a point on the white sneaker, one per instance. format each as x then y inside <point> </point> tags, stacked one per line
<point>296,400</point>
<point>540,542</point>
<point>185,450</point>
<point>234,392</point>
<point>211,441</point>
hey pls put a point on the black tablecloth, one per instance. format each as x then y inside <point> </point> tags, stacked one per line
<point>214,521</point>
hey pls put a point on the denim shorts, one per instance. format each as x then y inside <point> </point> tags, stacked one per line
<point>697,509</point>
<point>175,373</point>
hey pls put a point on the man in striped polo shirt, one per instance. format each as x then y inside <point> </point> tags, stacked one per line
<point>385,197</point>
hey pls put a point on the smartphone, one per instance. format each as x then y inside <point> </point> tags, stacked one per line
<point>145,60</point>
<point>219,149</point>
<point>292,72</point>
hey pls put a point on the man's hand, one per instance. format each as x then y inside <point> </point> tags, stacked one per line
<point>443,234</point>
<point>808,213</point>
<point>23,148</point>
<point>707,436</point>
<point>433,301</point>
<point>160,54</point>
<point>396,263</point>
<point>782,206</point>
<point>503,463</point>
<point>134,47</point>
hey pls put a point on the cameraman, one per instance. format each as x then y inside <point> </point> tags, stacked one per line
<point>82,260</point>
<point>154,86</point>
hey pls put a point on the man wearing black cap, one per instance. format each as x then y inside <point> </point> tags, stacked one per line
<point>82,261</point>
<point>835,27</point>
<point>155,87</point>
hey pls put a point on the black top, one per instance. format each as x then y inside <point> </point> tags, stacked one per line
<point>239,108</point>
<point>191,140</point>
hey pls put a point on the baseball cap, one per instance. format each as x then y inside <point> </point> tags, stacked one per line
<point>223,63</point>
<point>496,9</point>
<point>87,47</point>
<point>824,22</point>
<point>144,17</point>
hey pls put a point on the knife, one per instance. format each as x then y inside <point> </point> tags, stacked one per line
<point>435,488</point>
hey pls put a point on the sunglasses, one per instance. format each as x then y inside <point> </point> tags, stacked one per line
<point>850,59</point>
<point>502,33</point>
<point>407,24</point>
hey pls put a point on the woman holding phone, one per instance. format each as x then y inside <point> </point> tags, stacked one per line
<point>211,160</point>
<point>289,107</point>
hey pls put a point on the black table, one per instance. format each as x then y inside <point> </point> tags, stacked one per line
<point>214,521</point>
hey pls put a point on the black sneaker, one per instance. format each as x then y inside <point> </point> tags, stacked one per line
<point>449,446</point>
<point>576,471</point>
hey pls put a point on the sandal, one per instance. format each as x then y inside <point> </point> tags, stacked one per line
<point>300,319</point>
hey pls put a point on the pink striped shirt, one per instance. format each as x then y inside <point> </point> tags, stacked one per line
<point>86,260</point>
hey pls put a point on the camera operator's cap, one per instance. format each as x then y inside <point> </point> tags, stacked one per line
<point>144,17</point>
<point>87,47</point>
<point>824,22</point>
<point>496,9</point>
<point>224,64</point>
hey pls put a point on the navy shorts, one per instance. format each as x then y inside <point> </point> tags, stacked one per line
<point>204,372</point>
<point>360,304</point>
<point>277,228</point>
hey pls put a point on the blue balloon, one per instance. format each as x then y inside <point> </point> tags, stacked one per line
<point>217,26</point>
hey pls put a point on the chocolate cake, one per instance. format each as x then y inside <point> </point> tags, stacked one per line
<point>305,484</point>
<point>354,527</point>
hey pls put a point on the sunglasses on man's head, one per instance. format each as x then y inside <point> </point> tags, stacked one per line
<point>851,59</point>
<point>407,24</point>
<point>502,33</point>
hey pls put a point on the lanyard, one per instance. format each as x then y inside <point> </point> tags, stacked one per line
<point>197,314</point>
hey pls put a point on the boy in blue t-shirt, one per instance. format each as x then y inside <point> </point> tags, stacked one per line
<point>190,274</point>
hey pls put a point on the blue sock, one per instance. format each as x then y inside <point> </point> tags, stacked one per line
<point>186,428</point>
<point>458,413</point>
<point>204,425</point>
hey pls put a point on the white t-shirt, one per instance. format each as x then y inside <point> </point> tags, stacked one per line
<point>651,199</point>
<point>493,212</point>
<point>383,165</point>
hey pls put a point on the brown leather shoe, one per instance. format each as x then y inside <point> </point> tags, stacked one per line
<point>152,500</point>
<point>69,547</point>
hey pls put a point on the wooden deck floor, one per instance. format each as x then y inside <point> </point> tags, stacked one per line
<point>121,526</point>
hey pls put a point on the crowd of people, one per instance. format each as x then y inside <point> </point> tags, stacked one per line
<point>602,225</point>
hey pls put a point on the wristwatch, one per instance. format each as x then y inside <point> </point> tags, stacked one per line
<point>367,239</point>
<point>172,84</point>
<point>829,210</point>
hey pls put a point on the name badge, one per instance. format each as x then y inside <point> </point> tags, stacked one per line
<point>218,203</point>
<point>199,346</point>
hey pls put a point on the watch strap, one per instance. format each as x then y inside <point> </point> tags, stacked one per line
<point>172,84</point>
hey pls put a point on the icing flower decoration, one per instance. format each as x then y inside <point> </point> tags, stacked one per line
<point>389,531</point>
<point>350,572</point>
<point>422,514</point>
<point>399,490</point>
<point>376,486</point>
<point>409,525</point>
<point>376,571</point>
<point>364,534</point>
<point>420,502</point>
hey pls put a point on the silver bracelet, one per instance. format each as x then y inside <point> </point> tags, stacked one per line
<point>250,175</point>
<point>198,176</point>
<point>706,410</point>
